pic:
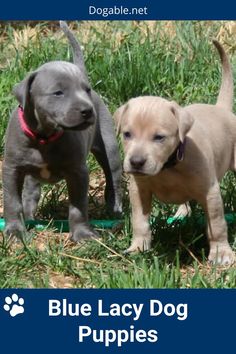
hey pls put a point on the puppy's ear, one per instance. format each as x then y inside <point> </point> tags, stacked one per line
<point>22,90</point>
<point>119,116</point>
<point>185,120</point>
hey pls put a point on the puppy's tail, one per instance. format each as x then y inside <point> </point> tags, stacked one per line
<point>78,57</point>
<point>225,97</point>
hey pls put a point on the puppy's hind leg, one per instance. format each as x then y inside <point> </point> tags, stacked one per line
<point>106,151</point>
<point>220,250</point>
<point>113,176</point>
<point>233,159</point>
<point>183,210</point>
<point>30,197</point>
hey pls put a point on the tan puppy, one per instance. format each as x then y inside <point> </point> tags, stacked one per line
<point>180,154</point>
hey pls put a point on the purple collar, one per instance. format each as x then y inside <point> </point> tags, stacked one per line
<point>31,134</point>
<point>176,156</point>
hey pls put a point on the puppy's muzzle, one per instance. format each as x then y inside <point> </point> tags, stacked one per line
<point>137,163</point>
<point>87,113</point>
<point>79,118</point>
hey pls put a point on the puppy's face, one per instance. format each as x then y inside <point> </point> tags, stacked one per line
<point>152,129</point>
<point>58,96</point>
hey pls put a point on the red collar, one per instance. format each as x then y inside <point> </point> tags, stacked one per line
<point>31,134</point>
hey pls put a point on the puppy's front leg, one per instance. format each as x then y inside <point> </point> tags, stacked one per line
<point>77,184</point>
<point>220,250</point>
<point>13,210</point>
<point>30,196</point>
<point>141,200</point>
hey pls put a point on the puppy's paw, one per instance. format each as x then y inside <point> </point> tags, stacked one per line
<point>221,255</point>
<point>83,233</point>
<point>117,209</point>
<point>183,211</point>
<point>14,230</point>
<point>113,202</point>
<point>114,209</point>
<point>139,245</point>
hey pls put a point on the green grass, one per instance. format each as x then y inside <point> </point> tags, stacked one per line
<point>124,59</point>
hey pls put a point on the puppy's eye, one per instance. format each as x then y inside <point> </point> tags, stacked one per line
<point>159,138</point>
<point>127,135</point>
<point>58,93</point>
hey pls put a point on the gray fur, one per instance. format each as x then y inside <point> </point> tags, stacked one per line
<point>58,97</point>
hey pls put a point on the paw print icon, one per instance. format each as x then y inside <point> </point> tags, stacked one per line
<point>14,305</point>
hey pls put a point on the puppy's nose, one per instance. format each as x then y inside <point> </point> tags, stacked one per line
<point>137,162</point>
<point>87,112</point>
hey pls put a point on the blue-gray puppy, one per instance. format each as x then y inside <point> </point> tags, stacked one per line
<point>58,121</point>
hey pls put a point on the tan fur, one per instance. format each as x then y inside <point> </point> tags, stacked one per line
<point>44,172</point>
<point>210,135</point>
